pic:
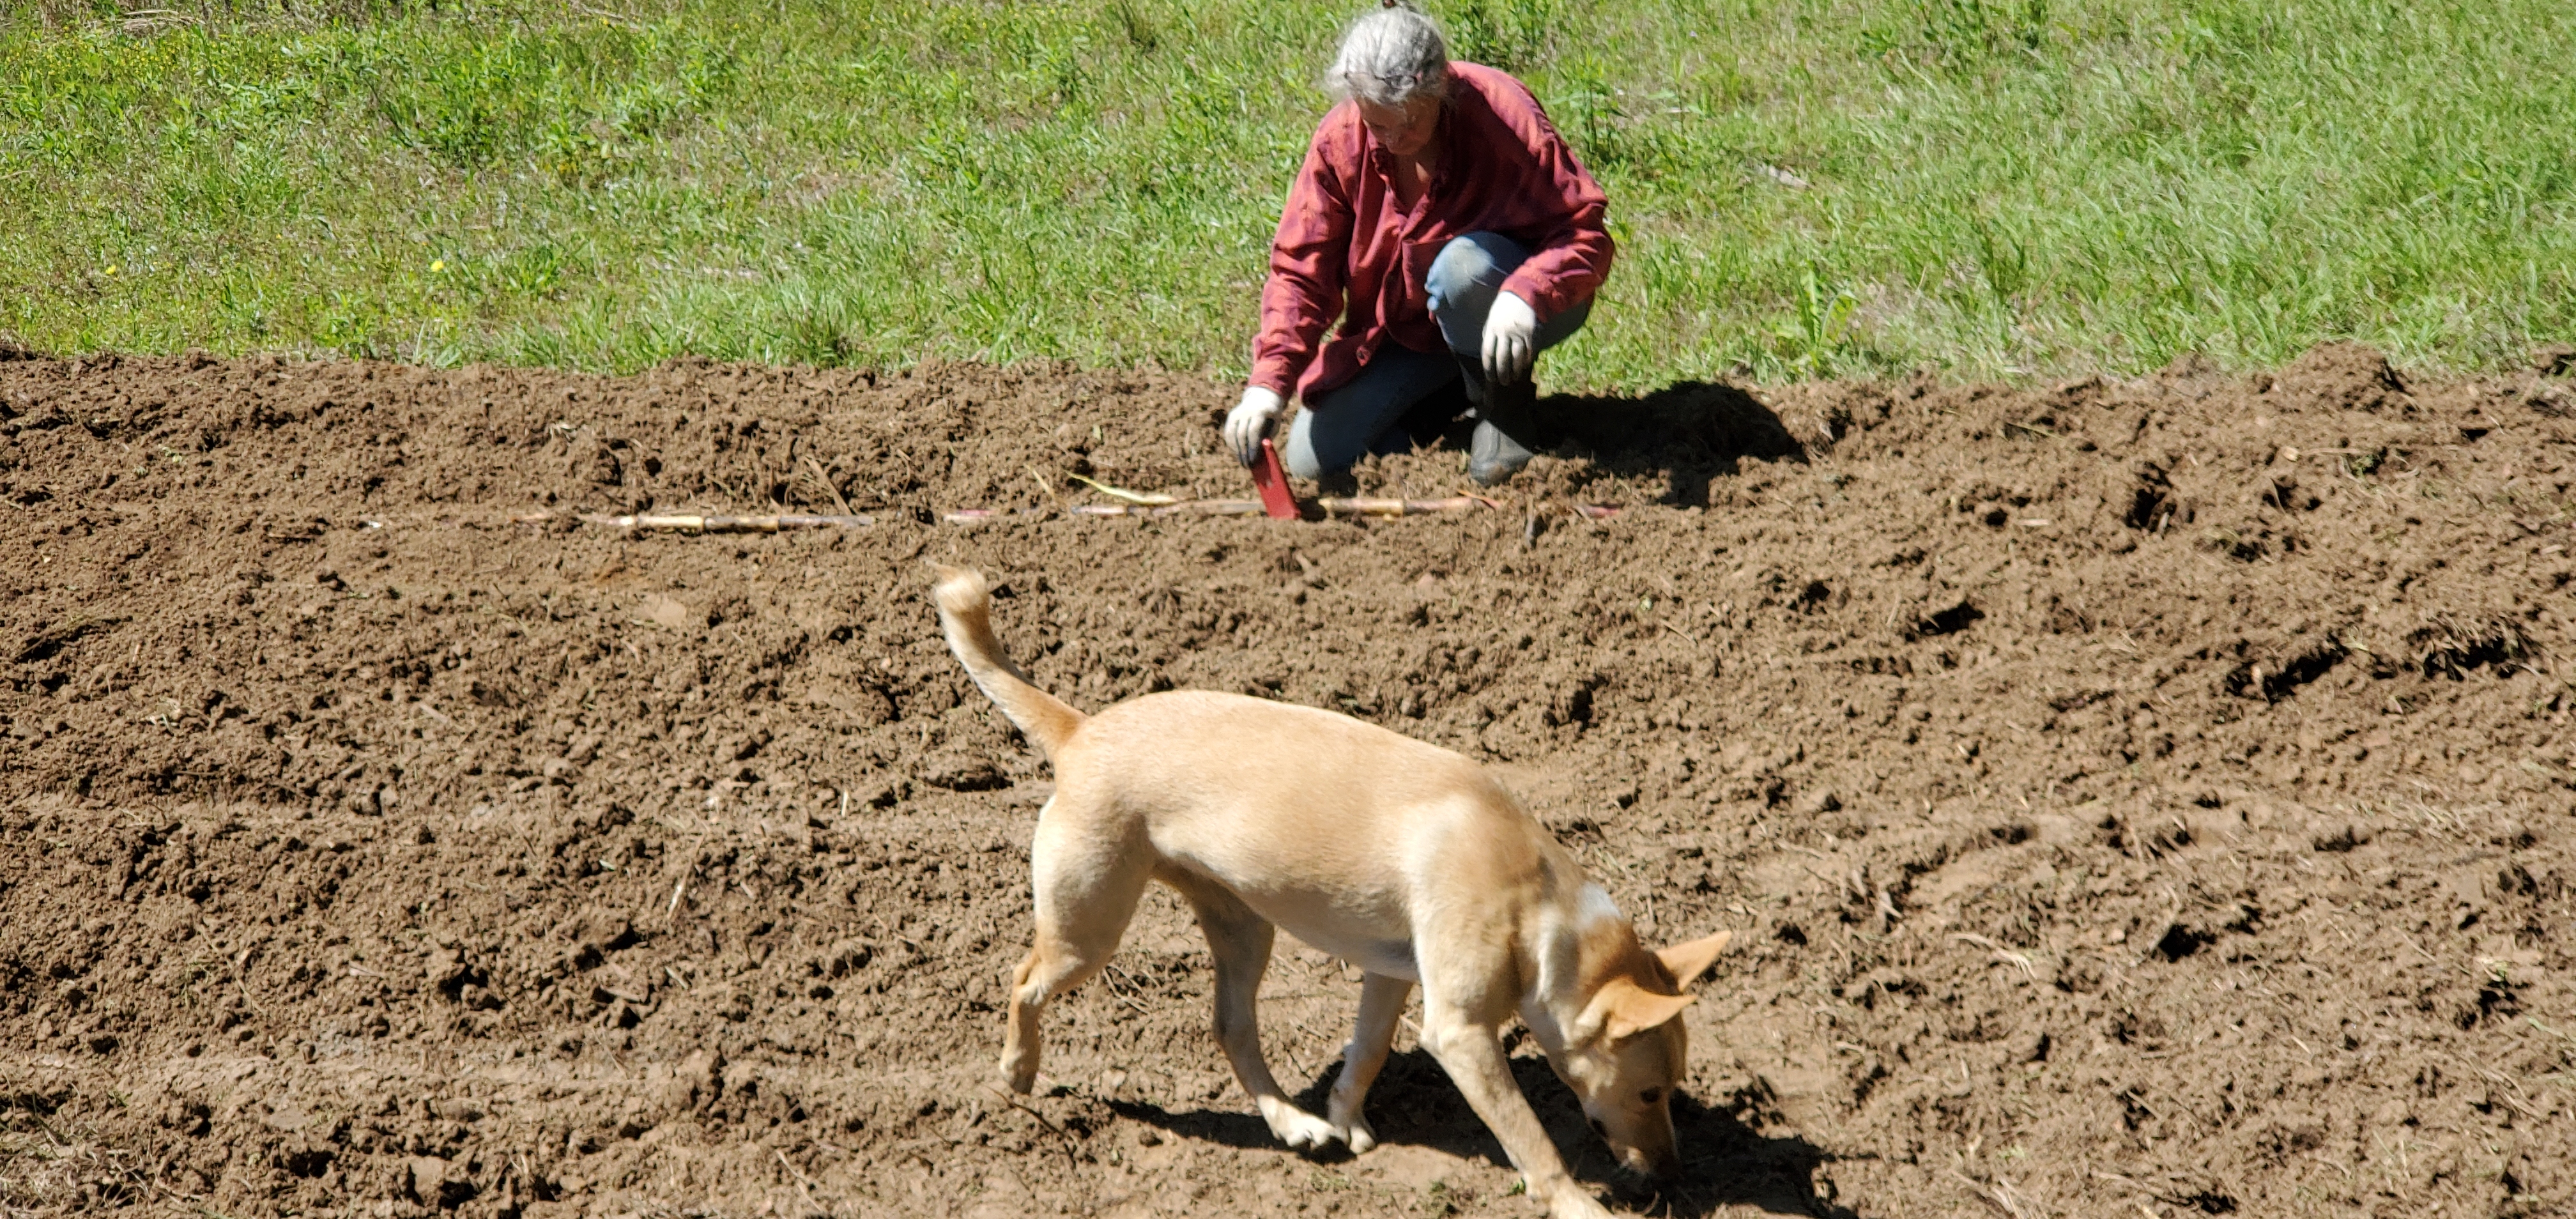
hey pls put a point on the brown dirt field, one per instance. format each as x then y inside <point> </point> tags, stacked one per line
<point>2130,796</point>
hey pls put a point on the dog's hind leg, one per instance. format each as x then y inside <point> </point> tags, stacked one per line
<point>1381,1003</point>
<point>1240,941</point>
<point>1086,891</point>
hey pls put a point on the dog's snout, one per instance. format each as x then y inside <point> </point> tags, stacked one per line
<point>1657,1169</point>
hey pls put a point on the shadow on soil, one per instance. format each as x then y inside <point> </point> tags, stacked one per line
<point>1689,432</point>
<point>1725,1162</point>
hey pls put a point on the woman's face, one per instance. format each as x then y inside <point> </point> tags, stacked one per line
<point>1404,131</point>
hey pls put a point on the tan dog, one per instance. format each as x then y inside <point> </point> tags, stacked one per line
<point>1400,857</point>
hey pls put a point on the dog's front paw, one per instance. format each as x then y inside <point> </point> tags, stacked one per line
<point>1352,1127</point>
<point>1019,1073</point>
<point>1300,1129</point>
<point>1575,1202</point>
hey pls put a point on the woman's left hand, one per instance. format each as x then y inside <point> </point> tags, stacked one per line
<point>1511,339</point>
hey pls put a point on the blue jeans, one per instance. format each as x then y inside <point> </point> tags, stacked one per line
<point>1363,416</point>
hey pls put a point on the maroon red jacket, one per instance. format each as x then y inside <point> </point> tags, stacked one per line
<point>1345,246</point>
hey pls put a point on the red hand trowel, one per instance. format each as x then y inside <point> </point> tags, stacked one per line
<point>1272,479</point>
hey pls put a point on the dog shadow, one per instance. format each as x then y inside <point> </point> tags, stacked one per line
<point>1725,1162</point>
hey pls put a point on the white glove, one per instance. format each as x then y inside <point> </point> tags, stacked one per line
<point>1511,339</point>
<point>1250,421</point>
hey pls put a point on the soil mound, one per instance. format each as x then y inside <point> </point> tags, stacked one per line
<point>2343,376</point>
<point>2127,794</point>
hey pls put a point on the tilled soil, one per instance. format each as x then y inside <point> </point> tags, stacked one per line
<point>2128,796</point>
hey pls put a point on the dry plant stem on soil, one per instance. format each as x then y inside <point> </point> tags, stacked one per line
<point>1339,505</point>
<point>691,522</point>
<point>1147,498</point>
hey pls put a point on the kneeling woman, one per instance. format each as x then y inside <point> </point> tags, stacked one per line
<point>1441,217</point>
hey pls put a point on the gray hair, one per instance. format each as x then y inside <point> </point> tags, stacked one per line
<point>1389,57</point>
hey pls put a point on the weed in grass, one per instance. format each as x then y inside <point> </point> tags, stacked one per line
<point>1962,33</point>
<point>1514,35</point>
<point>1818,337</point>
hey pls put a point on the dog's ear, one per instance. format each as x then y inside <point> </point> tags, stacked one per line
<point>1622,1009</point>
<point>1689,961</point>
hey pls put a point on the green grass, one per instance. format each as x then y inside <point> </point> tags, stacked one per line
<point>1996,187</point>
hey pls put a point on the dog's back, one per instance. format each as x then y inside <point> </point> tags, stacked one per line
<point>1332,828</point>
<point>1185,755</point>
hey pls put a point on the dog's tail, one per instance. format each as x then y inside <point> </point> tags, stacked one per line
<point>965,614</point>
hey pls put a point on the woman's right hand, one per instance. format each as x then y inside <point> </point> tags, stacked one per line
<point>1250,421</point>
